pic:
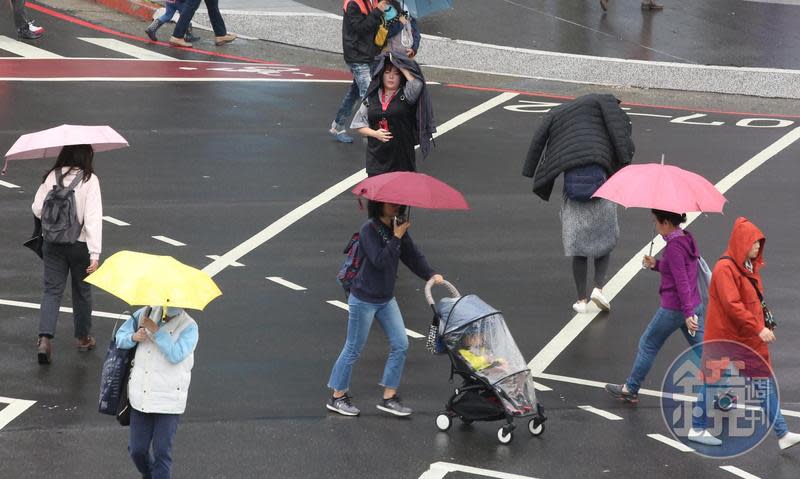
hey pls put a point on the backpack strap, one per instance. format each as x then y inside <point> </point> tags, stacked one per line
<point>750,280</point>
<point>75,181</point>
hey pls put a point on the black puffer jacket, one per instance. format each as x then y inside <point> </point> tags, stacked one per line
<point>590,129</point>
<point>358,33</point>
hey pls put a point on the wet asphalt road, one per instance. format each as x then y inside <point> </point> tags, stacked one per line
<point>213,163</point>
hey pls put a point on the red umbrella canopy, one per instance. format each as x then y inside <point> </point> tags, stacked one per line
<point>411,189</point>
<point>662,187</point>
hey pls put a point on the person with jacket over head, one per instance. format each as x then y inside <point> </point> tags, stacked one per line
<point>383,243</point>
<point>78,259</point>
<point>359,26</point>
<point>159,383</point>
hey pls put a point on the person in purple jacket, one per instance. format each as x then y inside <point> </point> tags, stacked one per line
<point>383,243</point>
<point>681,307</point>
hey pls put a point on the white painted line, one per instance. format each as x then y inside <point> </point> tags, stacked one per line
<point>671,442</point>
<point>22,304</point>
<point>24,50</point>
<point>7,184</point>
<point>652,115</point>
<point>283,282</point>
<point>346,184</point>
<point>339,304</point>
<point>414,334</point>
<point>126,48</point>
<point>216,257</point>
<point>170,79</point>
<point>579,322</point>
<point>13,410</point>
<point>169,240</point>
<point>438,470</point>
<point>115,221</point>
<point>735,470</point>
<point>601,413</point>
<point>541,387</point>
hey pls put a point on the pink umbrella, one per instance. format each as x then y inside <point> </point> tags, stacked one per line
<point>662,187</point>
<point>411,189</point>
<point>48,143</point>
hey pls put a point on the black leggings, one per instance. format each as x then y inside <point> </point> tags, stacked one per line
<point>580,269</point>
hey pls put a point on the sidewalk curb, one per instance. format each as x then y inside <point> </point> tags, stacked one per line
<point>141,9</point>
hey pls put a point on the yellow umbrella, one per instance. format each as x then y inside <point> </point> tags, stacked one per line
<point>152,280</point>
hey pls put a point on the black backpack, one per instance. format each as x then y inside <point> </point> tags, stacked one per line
<point>60,224</point>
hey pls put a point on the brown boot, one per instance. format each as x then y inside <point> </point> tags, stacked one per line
<point>86,343</point>
<point>179,42</point>
<point>651,5</point>
<point>43,350</point>
<point>219,41</point>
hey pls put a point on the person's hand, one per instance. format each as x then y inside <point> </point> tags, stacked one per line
<point>150,325</point>
<point>437,279</point>
<point>400,230</point>
<point>139,336</point>
<point>648,262</point>
<point>383,5</point>
<point>692,325</point>
<point>767,335</point>
<point>383,135</point>
<point>410,52</point>
<point>93,265</point>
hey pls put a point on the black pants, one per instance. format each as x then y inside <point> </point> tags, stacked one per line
<point>20,20</point>
<point>580,268</point>
<point>60,261</point>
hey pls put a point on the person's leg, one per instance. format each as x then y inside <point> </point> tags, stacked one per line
<point>357,90</point>
<point>359,321</point>
<point>391,320</point>
<point>56,269</point>
<point>165,426</point>
<point>169,12</point>
<point>363,76</point>
<point>19,14</point>
<point>580,268</point>
<point>662,325</point>
<point>600,270</point>
<point>81,290</point>
<point>215,17</point>
<point>187,13</point>
<point>141,434</point>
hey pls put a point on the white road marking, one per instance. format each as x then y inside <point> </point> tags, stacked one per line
<point>652,115</point>
<point>216,256</point>
<point>288,284</point>
<point>579,322</point>
<point>126,48</point>
<point>780,2</point>
<point>7,184</point>
<point>601,413</point>
<point>169,240</point>
<point>14,408</point>
<point>24,50</point>
<point>339,304</point>
<point>346,184</point>
<point>735,470</point>
<point>115,221</point>
<point>22,304</point>
<point>438,470</point>
<point>541,387</point>
<point>671,442</point>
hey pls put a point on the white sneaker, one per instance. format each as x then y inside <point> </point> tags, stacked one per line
<point>600,300</point>
<point>702,436</point>
<point>788,440</point>
<point>580,307</point>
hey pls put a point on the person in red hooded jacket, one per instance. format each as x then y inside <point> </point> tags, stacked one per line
<point>735,313</point>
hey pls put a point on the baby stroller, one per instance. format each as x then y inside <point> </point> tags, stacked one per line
<point>497,384</point>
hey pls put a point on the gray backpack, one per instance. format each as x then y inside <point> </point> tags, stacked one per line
<point>60,224</point>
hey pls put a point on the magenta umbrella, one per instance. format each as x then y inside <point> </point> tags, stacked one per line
<point>411,189</point>
<point>48,143</point>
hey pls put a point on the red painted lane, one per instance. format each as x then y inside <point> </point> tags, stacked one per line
<point>81,68</point>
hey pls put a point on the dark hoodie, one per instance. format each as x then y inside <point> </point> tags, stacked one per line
<point>678,268</point>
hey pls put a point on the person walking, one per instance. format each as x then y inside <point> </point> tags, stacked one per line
<point>588,139</point>
<point>221,35</point>
<point>646,5</point>
<point>171,7</point>
<point>359,26</point>
<point>383,242</point>
<point>75,257</point>
<point>681,306</point>
<point>403,34</point>
<point>159,383</point>
<point>26,29</point>
<point>736,313</point>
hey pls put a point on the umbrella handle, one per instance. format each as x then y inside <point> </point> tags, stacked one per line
<point>429,297</point>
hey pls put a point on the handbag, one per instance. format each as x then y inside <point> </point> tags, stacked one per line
<point>114,377</point>
<point>381,34</point>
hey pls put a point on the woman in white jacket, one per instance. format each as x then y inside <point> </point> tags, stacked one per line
<point>77,259</point>
<point>159,383</point>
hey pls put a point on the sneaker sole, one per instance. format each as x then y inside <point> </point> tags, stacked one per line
<point>605,307</point>
<point>43,359</point>
<point>343,413</point>
<point>392,411</point>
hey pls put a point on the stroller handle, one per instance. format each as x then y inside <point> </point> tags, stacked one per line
<point>428,296</point>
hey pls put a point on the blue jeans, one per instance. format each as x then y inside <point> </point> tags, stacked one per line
<point>357,90</point>
<point>361,315</point>
<point>187,13</point>
<point>171,8</point>
<point>769,403</point>
<point>158,429</point>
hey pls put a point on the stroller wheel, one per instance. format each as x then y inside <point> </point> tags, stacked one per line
<point>503,436</point>
<point>443,422</point>
<point>535,427</point>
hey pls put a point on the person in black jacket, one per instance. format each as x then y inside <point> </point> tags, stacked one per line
<point>359,26</point>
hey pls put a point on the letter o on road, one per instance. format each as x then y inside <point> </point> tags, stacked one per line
<point>764,123</point>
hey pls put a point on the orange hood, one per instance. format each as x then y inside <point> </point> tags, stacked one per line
<point>743,236</point>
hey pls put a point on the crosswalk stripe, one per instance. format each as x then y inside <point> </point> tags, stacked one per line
<point>23,49</point>
<point>126,48</point>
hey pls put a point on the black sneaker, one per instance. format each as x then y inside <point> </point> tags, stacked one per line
<point>619,393</point>
<point>394,406</point>
<point>342,405</point>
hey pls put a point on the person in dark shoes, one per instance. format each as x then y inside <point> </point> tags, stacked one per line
<point>646,5</point>
<point>383,243</point>
<point>171,7</point>
<point>221,35</point>
<point>71,246</point>
<point>26,29</point>
<point>681,306</point>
